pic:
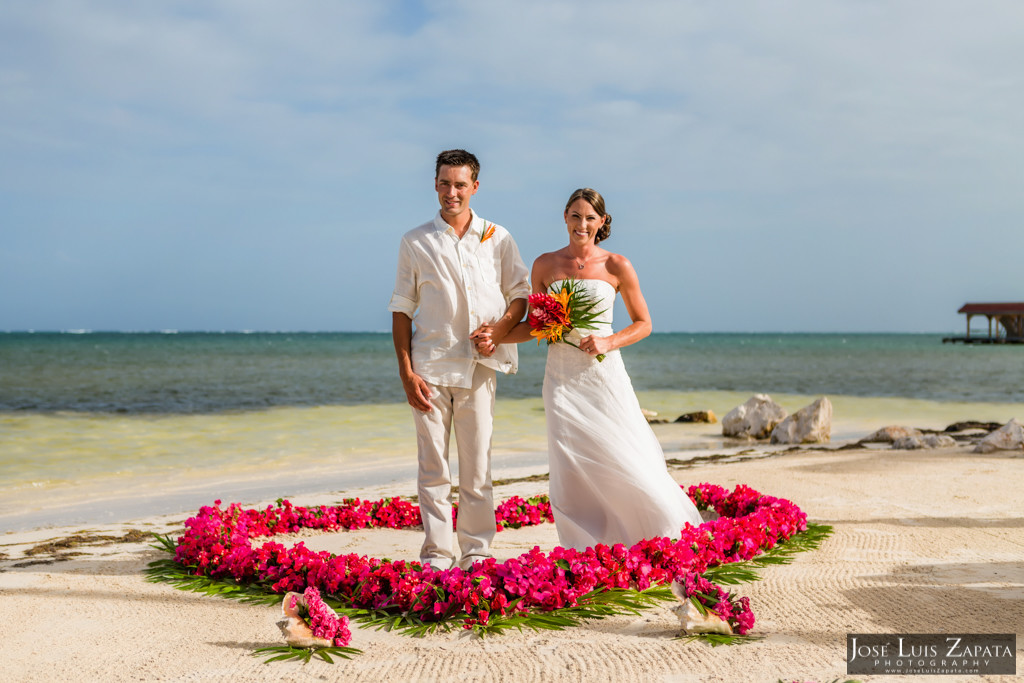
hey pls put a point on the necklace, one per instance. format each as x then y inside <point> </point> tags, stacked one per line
<point>580,265</point>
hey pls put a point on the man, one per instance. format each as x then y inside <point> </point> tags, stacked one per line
<point>455,273</point>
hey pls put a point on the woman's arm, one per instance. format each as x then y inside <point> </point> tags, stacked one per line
<point>621,269</point>
<point>485,336</point>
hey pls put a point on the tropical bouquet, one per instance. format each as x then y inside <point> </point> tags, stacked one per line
<point>568,306</point>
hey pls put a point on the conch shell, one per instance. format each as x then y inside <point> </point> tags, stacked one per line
<point>692,620</point>
<point>295,629</point>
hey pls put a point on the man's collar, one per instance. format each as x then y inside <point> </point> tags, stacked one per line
<point>476,224</point>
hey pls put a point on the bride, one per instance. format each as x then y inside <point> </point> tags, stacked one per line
<point>609,483</point>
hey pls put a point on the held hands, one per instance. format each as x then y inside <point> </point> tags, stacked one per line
<point>504,330</point>
<point>486,345</point>
<point>483,337</point>
<point>418,392</point>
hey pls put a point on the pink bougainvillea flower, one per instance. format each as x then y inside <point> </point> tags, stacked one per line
<point>222,543</point>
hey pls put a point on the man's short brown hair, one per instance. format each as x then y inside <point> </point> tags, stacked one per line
<point>457,157</point>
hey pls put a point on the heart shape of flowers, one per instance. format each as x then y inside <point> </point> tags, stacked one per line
<point>219,544</point>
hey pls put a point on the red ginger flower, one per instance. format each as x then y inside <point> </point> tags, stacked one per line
<point>549,317</point>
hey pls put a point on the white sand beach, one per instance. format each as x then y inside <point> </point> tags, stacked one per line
<point>924,541</point>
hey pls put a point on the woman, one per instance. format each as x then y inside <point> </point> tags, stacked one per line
<point>608,482</point>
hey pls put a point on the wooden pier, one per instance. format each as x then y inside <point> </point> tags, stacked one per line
<point>1008,328</point>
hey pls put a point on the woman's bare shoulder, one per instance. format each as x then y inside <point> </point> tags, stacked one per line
<point>617,261</point>
<point>619,266</point>
<point>548,260</point>
<point>550,256</point>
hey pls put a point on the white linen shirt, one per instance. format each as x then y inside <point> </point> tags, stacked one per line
<point>449,287</point>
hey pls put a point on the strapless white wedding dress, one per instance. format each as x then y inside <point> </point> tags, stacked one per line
<point>609,483</point>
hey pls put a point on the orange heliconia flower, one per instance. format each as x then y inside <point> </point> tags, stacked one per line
<point>555,313</point>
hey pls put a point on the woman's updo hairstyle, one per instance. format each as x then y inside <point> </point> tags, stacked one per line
<point>594,198</point>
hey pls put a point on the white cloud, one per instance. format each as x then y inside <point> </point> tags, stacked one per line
<point>746,125</point>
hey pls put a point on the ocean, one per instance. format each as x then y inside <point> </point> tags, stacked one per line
<point>94,426</point>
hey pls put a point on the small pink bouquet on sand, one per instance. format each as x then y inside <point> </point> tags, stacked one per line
<point>708,608</point>
<point>566,308</point>
<point>310,627</point>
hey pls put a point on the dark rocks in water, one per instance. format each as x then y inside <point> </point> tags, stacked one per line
<point>971,424</point>
<point>652,417</point>
<point>700,416</point>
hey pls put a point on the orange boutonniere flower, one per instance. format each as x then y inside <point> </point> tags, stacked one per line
<point>488,232</point>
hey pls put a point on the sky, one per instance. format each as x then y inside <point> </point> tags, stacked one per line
<point>777,166</point>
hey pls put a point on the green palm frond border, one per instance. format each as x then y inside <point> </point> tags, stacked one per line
<point>597,604</point>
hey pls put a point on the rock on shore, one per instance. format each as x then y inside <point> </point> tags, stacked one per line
<point>755,419</point>
<point>891,434</point>
<point>1009,437</point>
<point>914,442</point>
<point>810,424</point>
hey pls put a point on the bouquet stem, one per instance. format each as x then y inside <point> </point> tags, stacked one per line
<point>599,357</point>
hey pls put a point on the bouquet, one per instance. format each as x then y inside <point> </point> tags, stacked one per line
<point>566,308</point>
<point>310,627</point>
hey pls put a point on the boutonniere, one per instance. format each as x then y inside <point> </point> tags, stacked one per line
<point>488,232</point>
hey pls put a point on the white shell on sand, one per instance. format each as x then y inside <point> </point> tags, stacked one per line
<point>692,620</point>
<point>296,631</point>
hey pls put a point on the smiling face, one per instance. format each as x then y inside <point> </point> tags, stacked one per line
<point>583,222</point>
<point>455,185</point>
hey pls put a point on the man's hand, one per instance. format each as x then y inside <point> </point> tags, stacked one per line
<point>483,338</point>
<point>418,392</point>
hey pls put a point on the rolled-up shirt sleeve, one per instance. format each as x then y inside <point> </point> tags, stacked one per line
<point>515,278</point>
<point>405,297</point>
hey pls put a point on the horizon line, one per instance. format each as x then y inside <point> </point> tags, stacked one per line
<point>169,332</point>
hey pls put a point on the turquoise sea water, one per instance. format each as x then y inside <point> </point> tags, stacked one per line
<point>210,373</point>
<point>96,426</point>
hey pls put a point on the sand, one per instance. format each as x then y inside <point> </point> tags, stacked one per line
<point>925,541</point>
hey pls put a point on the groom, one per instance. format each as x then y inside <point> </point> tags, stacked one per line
<point>455,273</point>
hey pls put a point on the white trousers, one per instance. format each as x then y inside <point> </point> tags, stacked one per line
<point>471,412</point>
